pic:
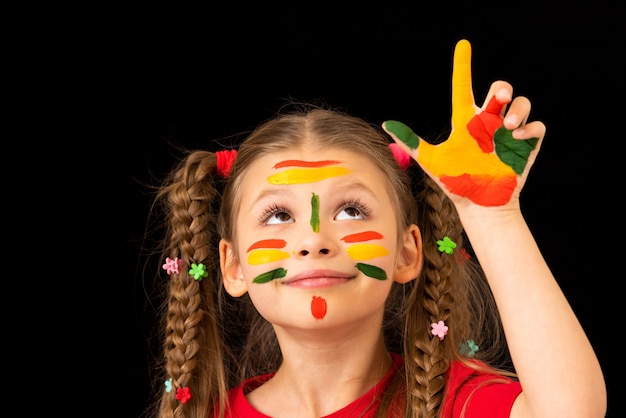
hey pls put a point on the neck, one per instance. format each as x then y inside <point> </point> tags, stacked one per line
<point>318,377</point>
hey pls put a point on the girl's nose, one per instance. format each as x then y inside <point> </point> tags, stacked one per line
<point>305,252</point>
<point>313,244</point>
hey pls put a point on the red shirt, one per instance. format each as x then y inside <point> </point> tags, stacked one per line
<point>493,400</point>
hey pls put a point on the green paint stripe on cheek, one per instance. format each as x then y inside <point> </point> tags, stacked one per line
<point>315,213</point>
<point>372,271</point>
<point>270,275</point>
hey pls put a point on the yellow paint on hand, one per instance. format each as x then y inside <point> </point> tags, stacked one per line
<point>460,154</point>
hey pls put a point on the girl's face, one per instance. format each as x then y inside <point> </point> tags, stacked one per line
<point>317,242</point>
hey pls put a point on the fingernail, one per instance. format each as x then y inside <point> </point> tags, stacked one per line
<point>403,133</point>
<point>511,120</point>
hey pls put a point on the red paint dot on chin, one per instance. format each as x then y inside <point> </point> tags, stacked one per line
<point>318,307</point>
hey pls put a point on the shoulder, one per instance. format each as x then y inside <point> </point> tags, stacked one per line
<point>238,404</point>
<point>475,388</point>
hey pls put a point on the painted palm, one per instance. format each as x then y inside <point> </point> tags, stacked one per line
<point>480,160</point>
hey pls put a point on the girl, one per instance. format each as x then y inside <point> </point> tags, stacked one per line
<point>317,272</point>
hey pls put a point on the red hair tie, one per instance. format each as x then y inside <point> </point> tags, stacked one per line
<point>225,161</point>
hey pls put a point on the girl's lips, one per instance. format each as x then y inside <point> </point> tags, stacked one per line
<point>317,279</point>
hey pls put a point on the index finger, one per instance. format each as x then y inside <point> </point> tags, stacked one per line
<point>462,94</point>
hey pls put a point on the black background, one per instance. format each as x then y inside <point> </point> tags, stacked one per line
<point>200,77</point>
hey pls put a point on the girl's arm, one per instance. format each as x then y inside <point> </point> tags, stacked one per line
<point>483,166</point>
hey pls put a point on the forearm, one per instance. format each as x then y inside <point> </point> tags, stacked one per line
<point>557,366</point>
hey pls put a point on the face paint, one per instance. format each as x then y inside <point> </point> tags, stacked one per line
<point>308,171</point>
<point>318,307</point>
<point>362,236</point>
<point>366,251</point>
<point>372,271</point>
<point>278,273</point>
<point>268,243</point>
<point>266,256</point>
<point>258,254</point>
<point>315,213</point>
<point>301,163</point>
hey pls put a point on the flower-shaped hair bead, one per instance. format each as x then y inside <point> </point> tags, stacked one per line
<point>439,329</point>
<point>469,348</point>
<point>446,245</point>
<point>198,271</point>
<point>173,266</point>
<point>183,394</point>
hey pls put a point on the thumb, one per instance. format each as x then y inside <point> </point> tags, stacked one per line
<point>407,139</point>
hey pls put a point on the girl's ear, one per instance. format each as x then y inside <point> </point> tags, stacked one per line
<point>232,275</point>
<point>410,258</point>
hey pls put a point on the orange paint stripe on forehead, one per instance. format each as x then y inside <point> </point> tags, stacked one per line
<point>362,236</point>
<point>267,243</point>
<point>302,163</point>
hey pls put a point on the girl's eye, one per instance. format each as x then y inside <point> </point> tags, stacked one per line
<point>276,215</point>
<point>352,211</point>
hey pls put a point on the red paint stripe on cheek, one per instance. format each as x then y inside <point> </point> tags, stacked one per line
<point>268,243</point>
<point>362,236</point>
<point>318,307</point>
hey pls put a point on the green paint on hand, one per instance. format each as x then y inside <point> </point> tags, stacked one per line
<point>372,271</point>
<point>403,133</point>
<point>315,213</point>
<point>270,275</point>
<point>513,152</point>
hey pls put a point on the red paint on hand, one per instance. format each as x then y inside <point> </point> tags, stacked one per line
<point>483,126</point>
<point>318,307</point>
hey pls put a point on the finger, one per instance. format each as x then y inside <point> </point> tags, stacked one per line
<point>463,107</point>
<point>499,95</point>
<point>518,113</point>
<point>403,136</point>
<point>535,129</point>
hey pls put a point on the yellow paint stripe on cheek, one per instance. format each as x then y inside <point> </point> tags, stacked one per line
<point>306,175</point>
<point>266,256</point>
<point>366,251</point>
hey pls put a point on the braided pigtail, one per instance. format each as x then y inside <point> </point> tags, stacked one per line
<point>433,299</point>
<point>195,374</point>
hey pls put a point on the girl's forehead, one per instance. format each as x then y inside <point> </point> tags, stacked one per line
<point>310,165</point>
<point>313,156</point>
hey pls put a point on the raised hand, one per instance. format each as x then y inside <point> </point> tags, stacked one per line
<point>487,156</point>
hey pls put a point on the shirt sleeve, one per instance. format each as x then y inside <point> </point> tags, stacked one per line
<point>478,394</point>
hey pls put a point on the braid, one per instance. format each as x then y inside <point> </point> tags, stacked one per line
<point>432,300</point>
<point>192,345</point>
